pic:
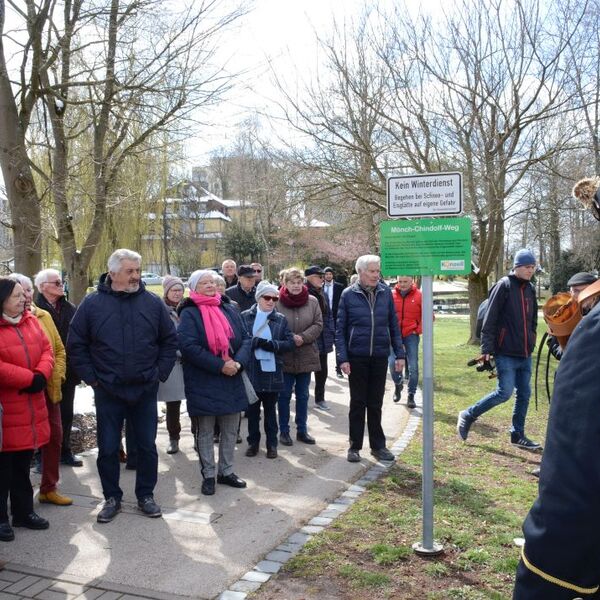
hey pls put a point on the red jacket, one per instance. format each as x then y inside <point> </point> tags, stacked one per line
<point>24,350</point>
<point>408,310</point>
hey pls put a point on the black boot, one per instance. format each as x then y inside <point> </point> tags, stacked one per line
<point>398,392</point>
<point>410,403</point>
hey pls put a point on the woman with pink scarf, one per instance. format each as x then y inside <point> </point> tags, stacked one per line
<point>215,347</point>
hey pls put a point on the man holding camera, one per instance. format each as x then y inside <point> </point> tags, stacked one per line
<point>508,333</point>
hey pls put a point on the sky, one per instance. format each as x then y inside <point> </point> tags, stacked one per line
<point>276,35</point>
<point>280,36</point>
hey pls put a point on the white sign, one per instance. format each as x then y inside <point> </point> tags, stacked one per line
<point>429,195</point>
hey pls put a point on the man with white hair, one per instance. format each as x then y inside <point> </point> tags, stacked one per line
<point>122,342</point>
<point>51,298</point>
<point>229,270</point>
<point>366,325</point>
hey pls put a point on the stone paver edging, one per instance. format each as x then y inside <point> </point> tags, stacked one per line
<point>272,563</point>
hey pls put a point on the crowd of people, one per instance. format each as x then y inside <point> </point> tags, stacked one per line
<point>237,343</point>
<point>232,345</point>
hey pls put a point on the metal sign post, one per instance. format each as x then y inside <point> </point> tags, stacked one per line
<point>426,247</point>
<point>427,546</point>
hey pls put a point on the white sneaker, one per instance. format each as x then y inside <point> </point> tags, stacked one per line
<point>322,405</point>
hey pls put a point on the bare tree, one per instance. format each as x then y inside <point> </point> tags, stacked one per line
<point>478,90</point>
<point>109,72</point>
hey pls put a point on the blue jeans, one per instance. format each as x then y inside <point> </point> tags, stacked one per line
<point>300,382</point>
<point>513,372</point>
<point>143,419</point>
<point>411,346</point>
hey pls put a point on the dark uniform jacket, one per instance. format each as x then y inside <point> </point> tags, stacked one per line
<point>561,557</point>
<point>126,342</point>
<point>510,323</point>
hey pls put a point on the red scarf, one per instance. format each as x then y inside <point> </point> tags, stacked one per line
<point>217,327</point>
<point>293,300</point>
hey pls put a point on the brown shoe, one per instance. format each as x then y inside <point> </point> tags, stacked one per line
<point>54,497</point>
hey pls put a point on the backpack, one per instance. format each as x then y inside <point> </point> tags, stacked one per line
<point>482,310</point>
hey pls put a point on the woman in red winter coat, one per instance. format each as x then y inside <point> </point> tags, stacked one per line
<point>26,363</point>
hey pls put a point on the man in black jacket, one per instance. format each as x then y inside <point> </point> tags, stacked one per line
<point>508,333</point>
<point>314,283</point>
<point>333,292</point>
<point>51,297</point>
<point>243,292</point>
<point>122,342</point>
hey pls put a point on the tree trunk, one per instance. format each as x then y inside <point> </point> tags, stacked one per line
<point>478,291</point>
<point>20,189</point>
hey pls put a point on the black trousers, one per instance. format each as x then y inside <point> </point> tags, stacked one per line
<point>367,386</point>
<point>15,482</point>
<point>173,419</point>
<point>320,379</point>
<point>66,414</point>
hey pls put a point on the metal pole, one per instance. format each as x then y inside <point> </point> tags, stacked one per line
<point>427,547</point>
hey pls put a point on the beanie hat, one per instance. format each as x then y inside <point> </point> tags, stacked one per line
<point>264,287</point>
<point>582,278</point>
<point>196,276</point>
<point>524,257</point>
<point>169,281</point>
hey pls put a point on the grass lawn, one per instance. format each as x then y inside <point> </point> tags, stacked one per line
<point>483,490</point>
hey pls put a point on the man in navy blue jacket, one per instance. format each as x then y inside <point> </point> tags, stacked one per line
<point>508,333</point>
<point>122,343</point>
<point>366,325</point>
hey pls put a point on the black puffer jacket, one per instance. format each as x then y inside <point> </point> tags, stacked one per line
<point>510,322</point>
<point>561,557</point>
<point>62,316</point>
<point>366,330</point>
<point>125,342</point>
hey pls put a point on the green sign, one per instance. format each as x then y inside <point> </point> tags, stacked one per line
<point>426,247</point>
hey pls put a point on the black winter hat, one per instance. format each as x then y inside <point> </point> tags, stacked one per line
<point>313,270</point>
<point>245,271</point>
<point>582,278</point>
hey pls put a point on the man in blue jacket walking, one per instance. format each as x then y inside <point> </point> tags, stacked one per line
<point>366,326</point>
<point>122,343</point>
<point>508,333</point>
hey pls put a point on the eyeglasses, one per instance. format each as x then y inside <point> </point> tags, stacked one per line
<point>596,206</point>
<point>56,283</point>
<point>271,298</point>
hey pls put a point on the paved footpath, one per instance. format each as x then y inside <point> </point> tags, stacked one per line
<point>222,546</point>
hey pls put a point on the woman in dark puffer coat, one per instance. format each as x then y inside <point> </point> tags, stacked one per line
<point>215,348</point>
<point>26,364</point>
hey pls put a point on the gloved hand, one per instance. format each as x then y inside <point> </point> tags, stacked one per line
<point>263,344</point>
<point>38,384</point>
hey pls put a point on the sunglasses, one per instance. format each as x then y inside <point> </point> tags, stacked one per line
<point>271,298</point>
<point>56,283</point>
<point>258,270</point>
<point>596,205</point>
